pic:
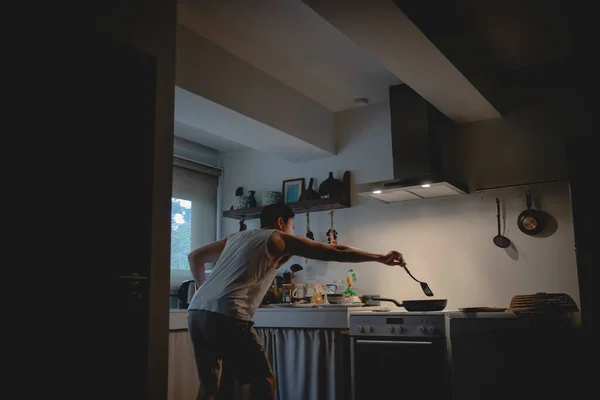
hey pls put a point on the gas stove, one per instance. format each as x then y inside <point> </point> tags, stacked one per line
<point>431,324</point>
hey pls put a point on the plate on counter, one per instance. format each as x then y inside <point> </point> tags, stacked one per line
<point>302,305</point>
<point>306,305</point>
<point>342,305</point>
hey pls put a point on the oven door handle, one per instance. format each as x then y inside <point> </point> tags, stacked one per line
<point>393,342</point>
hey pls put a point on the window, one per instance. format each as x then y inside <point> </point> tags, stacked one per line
<point>193,214</point>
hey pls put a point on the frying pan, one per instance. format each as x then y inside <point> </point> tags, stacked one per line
<point>531,221</point>
<point>412,305</point>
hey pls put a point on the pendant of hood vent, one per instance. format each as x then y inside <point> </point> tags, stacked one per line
<point>419,172</point>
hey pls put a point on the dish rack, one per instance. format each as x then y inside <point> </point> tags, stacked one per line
<point>543,303</point>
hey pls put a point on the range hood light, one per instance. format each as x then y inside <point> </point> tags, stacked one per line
<point>426,185</point>
<point>376,191</point>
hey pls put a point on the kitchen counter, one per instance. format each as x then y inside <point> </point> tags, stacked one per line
<point>177,319</point>
<point>292,317</point>
<point>451,314</point>
<point>326,317</point>
<point>323,317</point>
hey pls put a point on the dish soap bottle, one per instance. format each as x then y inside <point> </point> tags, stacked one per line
<point>349,292</point>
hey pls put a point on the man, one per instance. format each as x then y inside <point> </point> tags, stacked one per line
<point>220,313</point>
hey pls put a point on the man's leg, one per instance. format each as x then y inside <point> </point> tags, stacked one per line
<point>252,365</point>
<point>226,387</point>
<point>263,388</point>
<point>209,382</point>
<point>206,354</point>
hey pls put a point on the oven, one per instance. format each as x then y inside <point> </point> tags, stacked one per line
<point>399,355</point>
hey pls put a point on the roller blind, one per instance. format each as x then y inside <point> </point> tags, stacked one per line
<point>193,212</point>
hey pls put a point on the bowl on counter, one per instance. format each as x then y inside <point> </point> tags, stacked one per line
<point>336,298</point>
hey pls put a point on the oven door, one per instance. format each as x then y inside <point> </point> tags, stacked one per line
<point>388,368</point>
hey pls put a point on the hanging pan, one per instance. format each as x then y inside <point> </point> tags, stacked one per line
<point>531,221</point>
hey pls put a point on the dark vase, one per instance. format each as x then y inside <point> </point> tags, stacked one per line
<point>251,199</point>
<point>331,187</point>
<point>310,193</point>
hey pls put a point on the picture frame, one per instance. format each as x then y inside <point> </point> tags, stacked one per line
<point>292,190</point>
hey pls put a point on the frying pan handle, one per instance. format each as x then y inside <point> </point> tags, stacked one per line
<point>377,298</point>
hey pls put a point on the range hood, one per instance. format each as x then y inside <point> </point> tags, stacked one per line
<point>419,172</point>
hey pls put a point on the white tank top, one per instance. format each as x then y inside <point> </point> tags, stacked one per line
<point>240,278</point>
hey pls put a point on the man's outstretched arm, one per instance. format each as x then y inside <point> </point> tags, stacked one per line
<point>283,244</point>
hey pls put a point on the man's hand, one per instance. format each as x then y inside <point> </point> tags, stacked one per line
<point>393,258</point>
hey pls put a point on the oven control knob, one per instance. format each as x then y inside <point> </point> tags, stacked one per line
<point>390,329</point>
<point>431,330</point>
<point>422,329</point>
<point>368,329</point>
<point>399,329</point>
<point>360,328</point>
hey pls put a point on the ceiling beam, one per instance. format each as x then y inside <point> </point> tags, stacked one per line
<point>201,113</point>
<point>212,73</point>
<point>508,49</point>
<point>384,31</point>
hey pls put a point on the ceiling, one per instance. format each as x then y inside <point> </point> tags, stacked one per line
<point>517,34</point>
<point>293,44</point>
<point>501,46</point>
<point>460,56</point>
<point>207,139</point>
<point>510,34</point>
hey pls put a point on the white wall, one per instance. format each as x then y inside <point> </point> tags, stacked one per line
<point>447,242</point>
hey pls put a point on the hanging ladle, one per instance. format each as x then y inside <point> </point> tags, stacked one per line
<point>331,233</point>
<point>309,233</point>
<point>499,240</point>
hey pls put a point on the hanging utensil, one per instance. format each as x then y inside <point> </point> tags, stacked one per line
<point>531,221</point>
<point>331,233</point>
<point>424,285</point>
<point>499,240</point>
<point>309,234</point>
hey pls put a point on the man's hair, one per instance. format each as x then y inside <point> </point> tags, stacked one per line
<point>271,213</point>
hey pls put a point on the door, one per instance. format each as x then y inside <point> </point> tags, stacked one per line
<point>121,100</point>
<point>584,205</point>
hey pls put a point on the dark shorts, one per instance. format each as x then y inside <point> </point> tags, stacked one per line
<point>224,343</point>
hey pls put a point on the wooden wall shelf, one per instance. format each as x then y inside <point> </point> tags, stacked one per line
<point>300,207</point>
